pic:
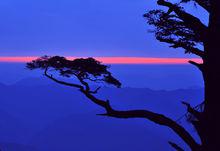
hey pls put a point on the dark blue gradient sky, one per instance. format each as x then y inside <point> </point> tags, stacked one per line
<point>80,28</point>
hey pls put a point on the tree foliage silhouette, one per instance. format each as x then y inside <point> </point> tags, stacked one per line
<point>180,29</point>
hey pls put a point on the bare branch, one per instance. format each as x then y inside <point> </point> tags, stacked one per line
<point>158,119</point>
<point>84,83</point>
<point>188,49</point>
<point>62,82</point>
<point>175,146</point>
<point>195,51</point>
<point>154,117</point>
<point>192,111</point>
<point>94,80</point>
<point>198,65</point>
<point>95,91</point>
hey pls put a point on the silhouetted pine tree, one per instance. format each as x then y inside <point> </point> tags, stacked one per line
<point>181,30</point>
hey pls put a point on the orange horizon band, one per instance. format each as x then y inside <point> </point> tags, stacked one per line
<point>114,60</point>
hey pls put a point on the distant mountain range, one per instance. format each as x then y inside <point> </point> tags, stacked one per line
<point>44,116</point>
<point>165,77</point>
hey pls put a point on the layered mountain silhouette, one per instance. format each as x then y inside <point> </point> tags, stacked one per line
<point>49,117</point>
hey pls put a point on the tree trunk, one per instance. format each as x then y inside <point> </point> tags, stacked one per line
<point>210,123</point>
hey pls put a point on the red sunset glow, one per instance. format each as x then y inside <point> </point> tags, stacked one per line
<point>115,60</point>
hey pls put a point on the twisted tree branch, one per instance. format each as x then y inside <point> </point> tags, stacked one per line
<point>192,111</point>
<point>154,117</point>
<point>188,49</point>
<point>62,82</point>
<point>175,146</point>
<point>198,65</point>
<point>95,91</point>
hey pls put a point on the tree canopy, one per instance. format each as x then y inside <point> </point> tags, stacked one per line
<point>177,27</point>
<point>87,69</point>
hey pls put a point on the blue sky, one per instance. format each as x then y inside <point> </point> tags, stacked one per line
<point>79,28</point>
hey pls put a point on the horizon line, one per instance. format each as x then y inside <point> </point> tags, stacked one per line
<point>111,60</point>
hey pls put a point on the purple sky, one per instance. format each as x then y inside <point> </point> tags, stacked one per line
<point>80,28</point>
